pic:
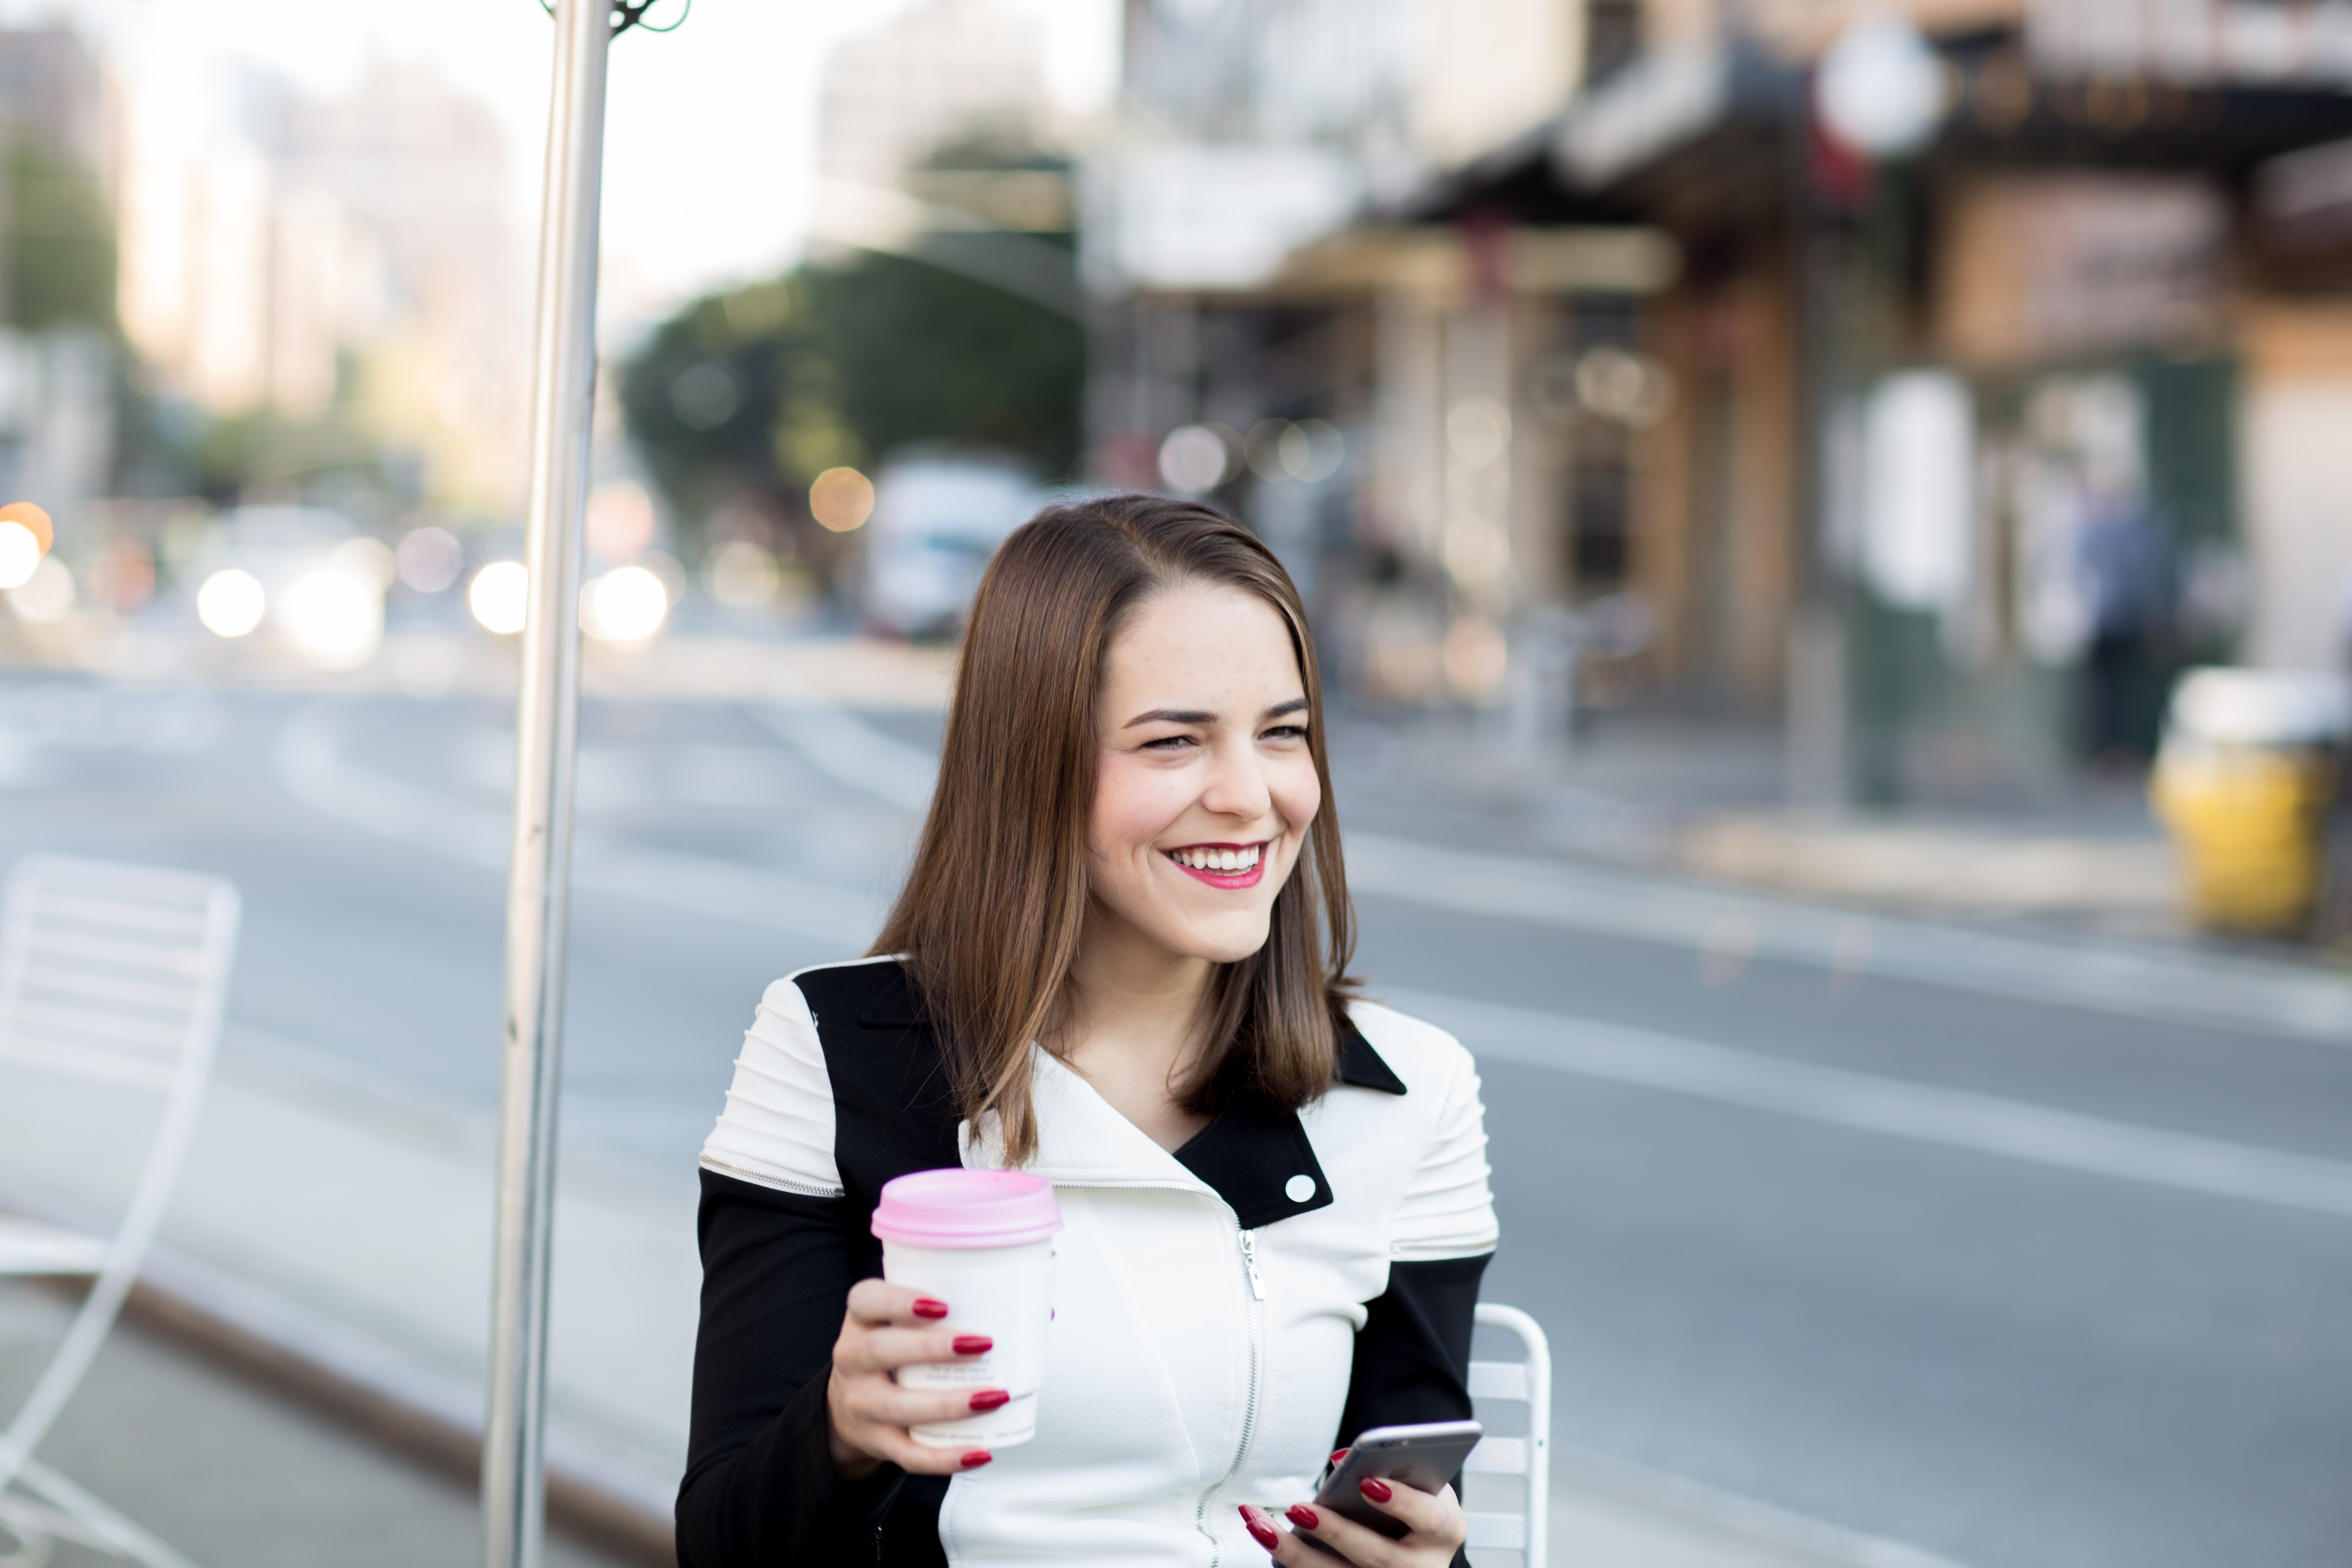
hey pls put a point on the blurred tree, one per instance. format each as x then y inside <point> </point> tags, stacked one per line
<point>759,390</point>
<point>60,257</point>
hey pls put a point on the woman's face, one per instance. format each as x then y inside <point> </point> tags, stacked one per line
<point>1205,785</point>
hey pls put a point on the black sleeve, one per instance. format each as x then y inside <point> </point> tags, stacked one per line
<point>759,1488</point>
<point>1413,1355</point>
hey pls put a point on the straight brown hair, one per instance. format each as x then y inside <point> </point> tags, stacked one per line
<point>988,921</point>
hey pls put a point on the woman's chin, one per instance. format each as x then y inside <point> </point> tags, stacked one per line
<point>1227,938</point>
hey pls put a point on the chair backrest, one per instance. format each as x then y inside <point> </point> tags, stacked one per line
<point>1528,1458</point>
<point>111,972</point>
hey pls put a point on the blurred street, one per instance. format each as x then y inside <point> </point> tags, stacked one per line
<point>1921,1252</point>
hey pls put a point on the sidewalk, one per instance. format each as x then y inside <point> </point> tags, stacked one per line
<point>331,1233</point>
<point>230,1474</point>
<point>1707,800</point>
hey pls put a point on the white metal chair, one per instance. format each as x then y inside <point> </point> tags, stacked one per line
<point>1527,1382</point>
<point>114,974</point>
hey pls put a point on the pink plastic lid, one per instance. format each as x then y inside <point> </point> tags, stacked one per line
<point>967,1208</point>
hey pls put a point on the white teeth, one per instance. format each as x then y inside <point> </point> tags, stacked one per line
<point>1205,859</point>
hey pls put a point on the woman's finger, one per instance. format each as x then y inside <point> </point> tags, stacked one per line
<point>877,1301</point>
<point>885,1403</point>
<point>1364,1548</point>
<point>888,1349</point>
<point>1435,1515</point>
<point>923,1460</point>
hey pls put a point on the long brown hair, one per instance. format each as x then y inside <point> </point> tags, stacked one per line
<point>988,921</point>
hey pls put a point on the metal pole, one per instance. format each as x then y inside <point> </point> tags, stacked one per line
<point>547,712</point>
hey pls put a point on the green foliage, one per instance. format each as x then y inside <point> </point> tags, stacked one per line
<point>60,258</point>
<point>762,388</point>
<point>927,355</point>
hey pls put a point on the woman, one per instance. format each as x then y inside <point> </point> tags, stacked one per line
<point>1119,961</point>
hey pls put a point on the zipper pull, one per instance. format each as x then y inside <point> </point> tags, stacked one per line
<point>1249,1262</point>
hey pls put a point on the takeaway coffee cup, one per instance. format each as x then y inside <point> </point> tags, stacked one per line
<point>982,1241</point>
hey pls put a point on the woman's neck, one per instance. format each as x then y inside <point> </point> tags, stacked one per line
<point>1135,1023</point>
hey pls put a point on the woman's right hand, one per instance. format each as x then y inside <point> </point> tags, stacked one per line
<point>887,1327</point>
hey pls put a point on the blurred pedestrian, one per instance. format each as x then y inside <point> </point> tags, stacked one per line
<point>1118,962</point>
<point>2125,574</point>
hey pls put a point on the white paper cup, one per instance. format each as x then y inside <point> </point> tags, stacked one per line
<point>982,1241</point>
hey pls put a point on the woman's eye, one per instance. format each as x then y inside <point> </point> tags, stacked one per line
<point>1168,743</point>
<point>1287,732</point>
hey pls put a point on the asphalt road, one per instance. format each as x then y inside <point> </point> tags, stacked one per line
<point>2015,1282</point>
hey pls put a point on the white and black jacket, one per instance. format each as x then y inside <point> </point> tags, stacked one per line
<point>1224,1316</point>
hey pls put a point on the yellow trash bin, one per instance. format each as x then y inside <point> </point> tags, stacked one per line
<point>2245,781</point>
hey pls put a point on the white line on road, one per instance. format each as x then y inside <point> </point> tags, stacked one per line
<point>2178,986</point>
<point>2171,986</point>
<point>1957,1117</point>
<point>313,771</point>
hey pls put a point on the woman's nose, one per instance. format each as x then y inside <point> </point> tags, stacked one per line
<point>1238,785</point>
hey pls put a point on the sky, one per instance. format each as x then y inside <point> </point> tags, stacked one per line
<point>710,154</point>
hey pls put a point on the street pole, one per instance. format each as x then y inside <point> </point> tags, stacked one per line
<point>547,714</point>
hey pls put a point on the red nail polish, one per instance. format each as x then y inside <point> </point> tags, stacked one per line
<point>1378,1490</point>
<point>977,1457</point>
<point>1299,1515</point>
<point>1260,1531</point>
<point>991,1399</point>
<point>972,1345</point>
<point>927,1308</point>
<point>1338,1454</point>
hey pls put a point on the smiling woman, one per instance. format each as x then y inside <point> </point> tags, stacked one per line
<point>1120,963</point>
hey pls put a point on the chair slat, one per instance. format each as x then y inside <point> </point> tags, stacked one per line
<point>77,1059</point>
<point>174,959</point>
<point>110,988</point>
<point>57,1017</point>
<point>182,920</point>
<point>1498,1456</point>
<point>1498,1380</point>
<point>28,1247</point>
<point>1498,1532</point>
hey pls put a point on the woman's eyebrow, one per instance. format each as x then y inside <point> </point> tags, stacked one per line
<point>1279,709</point>
<point>1171,716</point>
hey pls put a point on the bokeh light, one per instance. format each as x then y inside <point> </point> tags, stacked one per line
<point>46,597</point>
<point>1196,458</point>
<point>841,499</point>
<point>620,520</point>
<point>34,521</point>
<point>333,615</point>
<point>627,604</point>
<point>369,560</point>
<point>740,575</point>
<point>231,603</point>
<point>500,596</point>
<point>429,559</point>
<point>20,554</point>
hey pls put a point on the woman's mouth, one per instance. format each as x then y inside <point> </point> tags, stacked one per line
<point>1221,865</point>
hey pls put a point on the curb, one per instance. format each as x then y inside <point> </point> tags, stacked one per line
<point>376,1391</point>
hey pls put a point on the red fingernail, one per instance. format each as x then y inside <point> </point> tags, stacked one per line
<point>927,1308</point>
<point>972,1345</point>
<point>1260,1531</point>
<point>976,1458</point>
<point>1338,1454</point>
<point>991,1399</point>
<point>1299,1515</point>
<point>1378,1490</point>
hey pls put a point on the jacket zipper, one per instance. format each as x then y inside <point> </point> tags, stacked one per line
<point>1256,1311</point>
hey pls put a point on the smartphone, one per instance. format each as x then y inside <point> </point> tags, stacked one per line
<point>1425,1457</point>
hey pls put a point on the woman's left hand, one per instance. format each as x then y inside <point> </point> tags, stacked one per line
<point>1436,1529</point>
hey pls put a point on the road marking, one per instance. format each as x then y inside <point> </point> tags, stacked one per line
<point>2179,986</point>
<point>1924,1113</point>
<point>313,771</point>
<point>1728,928</point>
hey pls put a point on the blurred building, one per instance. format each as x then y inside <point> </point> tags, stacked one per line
<point>1955,455</point>
<point>944,72</point>
<point>281,252</point>
<point>58,160</point>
